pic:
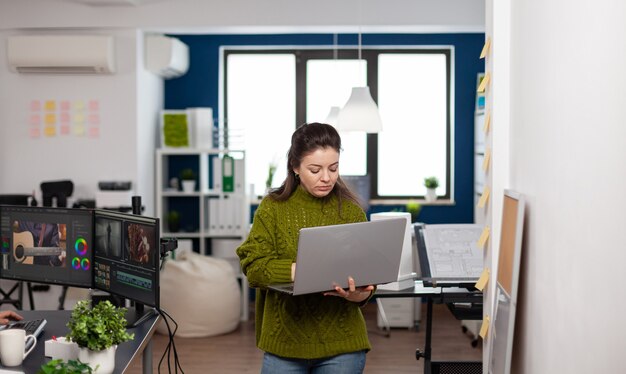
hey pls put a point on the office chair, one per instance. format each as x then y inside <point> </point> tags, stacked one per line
<point>16,199</point>
<point>59,190</point>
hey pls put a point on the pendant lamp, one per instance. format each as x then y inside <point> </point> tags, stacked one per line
<point>360,112</point>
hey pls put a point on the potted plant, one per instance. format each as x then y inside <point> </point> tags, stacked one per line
<point>173,221</point>
<point>97,331</point>
<point>414,208</point>
<point>431,184</point>
<point>188,178</point>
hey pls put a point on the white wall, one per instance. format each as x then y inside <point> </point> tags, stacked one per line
<point>252,16</point>
<point>568,155</point>
<point>117,153</point>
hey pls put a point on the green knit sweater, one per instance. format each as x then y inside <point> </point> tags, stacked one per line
<point>305,326</point>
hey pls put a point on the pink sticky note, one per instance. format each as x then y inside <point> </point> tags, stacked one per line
<point>35,105</point>
<point>64,117</point>
<point>65,105</point>
<point>35,120</point>
<point>94,105</point>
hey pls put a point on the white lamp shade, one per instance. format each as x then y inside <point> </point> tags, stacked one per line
<point>360,113</point>
<point>331,119</point>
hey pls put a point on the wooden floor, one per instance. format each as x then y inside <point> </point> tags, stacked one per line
<point>236,352</point>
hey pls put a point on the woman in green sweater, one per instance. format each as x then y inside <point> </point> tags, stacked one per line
<point>314,333</point>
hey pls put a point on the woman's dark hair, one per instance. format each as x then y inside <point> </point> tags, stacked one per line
<point>307,139</point>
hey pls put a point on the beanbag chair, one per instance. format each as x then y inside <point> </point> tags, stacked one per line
<point>202,295</point>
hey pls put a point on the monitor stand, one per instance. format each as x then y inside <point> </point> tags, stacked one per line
<point>139,315</point>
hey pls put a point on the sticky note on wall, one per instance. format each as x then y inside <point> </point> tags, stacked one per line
<point>486,48</point>
<point>482,281</point>
<point>483,198</point>
<point>484,328</point>
<point>484,83</point>
<point>483,237</point>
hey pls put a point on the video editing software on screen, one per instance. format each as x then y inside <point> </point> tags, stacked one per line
<point>126,256</point>
<point>48,245</point>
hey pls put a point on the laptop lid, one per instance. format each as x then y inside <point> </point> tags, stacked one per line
<point>369,252</point>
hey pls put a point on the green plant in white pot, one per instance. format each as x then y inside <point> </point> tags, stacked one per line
<point>188,180</point>
<point>98,331</point>
<point>431,184</point>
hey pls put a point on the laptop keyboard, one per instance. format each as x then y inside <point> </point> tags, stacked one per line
<point>285,287</point>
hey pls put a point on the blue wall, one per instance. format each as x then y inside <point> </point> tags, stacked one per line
<point>200,88</point>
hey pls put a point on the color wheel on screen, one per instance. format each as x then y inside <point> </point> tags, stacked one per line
<point>81,246</point>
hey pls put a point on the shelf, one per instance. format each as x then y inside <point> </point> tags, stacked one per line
<point>229,211</point>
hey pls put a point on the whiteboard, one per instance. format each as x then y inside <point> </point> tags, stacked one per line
<point>507,276</point>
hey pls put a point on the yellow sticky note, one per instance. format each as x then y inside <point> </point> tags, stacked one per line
<point>483,83</point>
<point>483,237</point>
<point>483,198</point>
<point>79,105</point>
<point>484,327</point>
<point>50,105</point>
<point>79,118</point>
<point>50,119</point>
<point>486,48</point>
<point>50,130</point>
<point>487,122</point>
<point>486,159</point>
<point>482,281</point>
<point>79,130</point>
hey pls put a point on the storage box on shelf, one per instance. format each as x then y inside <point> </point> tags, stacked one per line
<point>214,215</point>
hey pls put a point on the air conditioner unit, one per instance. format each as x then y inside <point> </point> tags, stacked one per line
<point>61,54</point>
<point>166,57</point>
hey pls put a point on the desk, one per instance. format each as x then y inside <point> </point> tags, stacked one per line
<point>449,296</point>
<point>56,326</point>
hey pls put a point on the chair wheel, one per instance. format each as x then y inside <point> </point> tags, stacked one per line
<point>475,343</point>
<point>464,329</point>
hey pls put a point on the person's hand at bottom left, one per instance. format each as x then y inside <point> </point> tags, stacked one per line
<point>7,316</point>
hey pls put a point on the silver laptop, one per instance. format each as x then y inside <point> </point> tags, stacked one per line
<point>369,252</point>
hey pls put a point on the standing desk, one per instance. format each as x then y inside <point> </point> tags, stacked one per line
<point>462,302</point>
<point>56,326</point>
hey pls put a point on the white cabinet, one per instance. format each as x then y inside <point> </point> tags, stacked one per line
<point>216,213</point>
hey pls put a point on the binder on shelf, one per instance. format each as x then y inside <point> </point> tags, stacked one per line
<point>217,173</point>
<point>228,171</point>
<point>240,186</point>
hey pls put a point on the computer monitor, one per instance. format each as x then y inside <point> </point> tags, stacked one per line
<point>46,245</point>
<point>126,256</point>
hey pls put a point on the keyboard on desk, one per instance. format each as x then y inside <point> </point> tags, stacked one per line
<point>32,327</point>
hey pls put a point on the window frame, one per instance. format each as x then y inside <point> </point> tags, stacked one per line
<point>370,54</point>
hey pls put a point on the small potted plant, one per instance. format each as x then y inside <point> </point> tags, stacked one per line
<point>97,331</point>
<point>414,208</point>
<point>188,180</point>
<point>173,221</point>
<point>431,184</point>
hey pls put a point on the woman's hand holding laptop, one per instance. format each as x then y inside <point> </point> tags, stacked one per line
<point>353,293</point>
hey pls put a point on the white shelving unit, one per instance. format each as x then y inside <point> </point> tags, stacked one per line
<point>209,216</point>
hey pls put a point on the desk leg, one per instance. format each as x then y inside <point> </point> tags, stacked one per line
<point>147,358</point>
<point>429,330</point>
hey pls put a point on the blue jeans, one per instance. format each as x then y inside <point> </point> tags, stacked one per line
<point>348,363</point>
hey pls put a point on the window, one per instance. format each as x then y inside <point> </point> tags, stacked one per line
<point>270,92</point>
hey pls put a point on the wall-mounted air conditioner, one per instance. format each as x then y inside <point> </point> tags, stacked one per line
<point>166,57</point>
<point>61,54</point>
